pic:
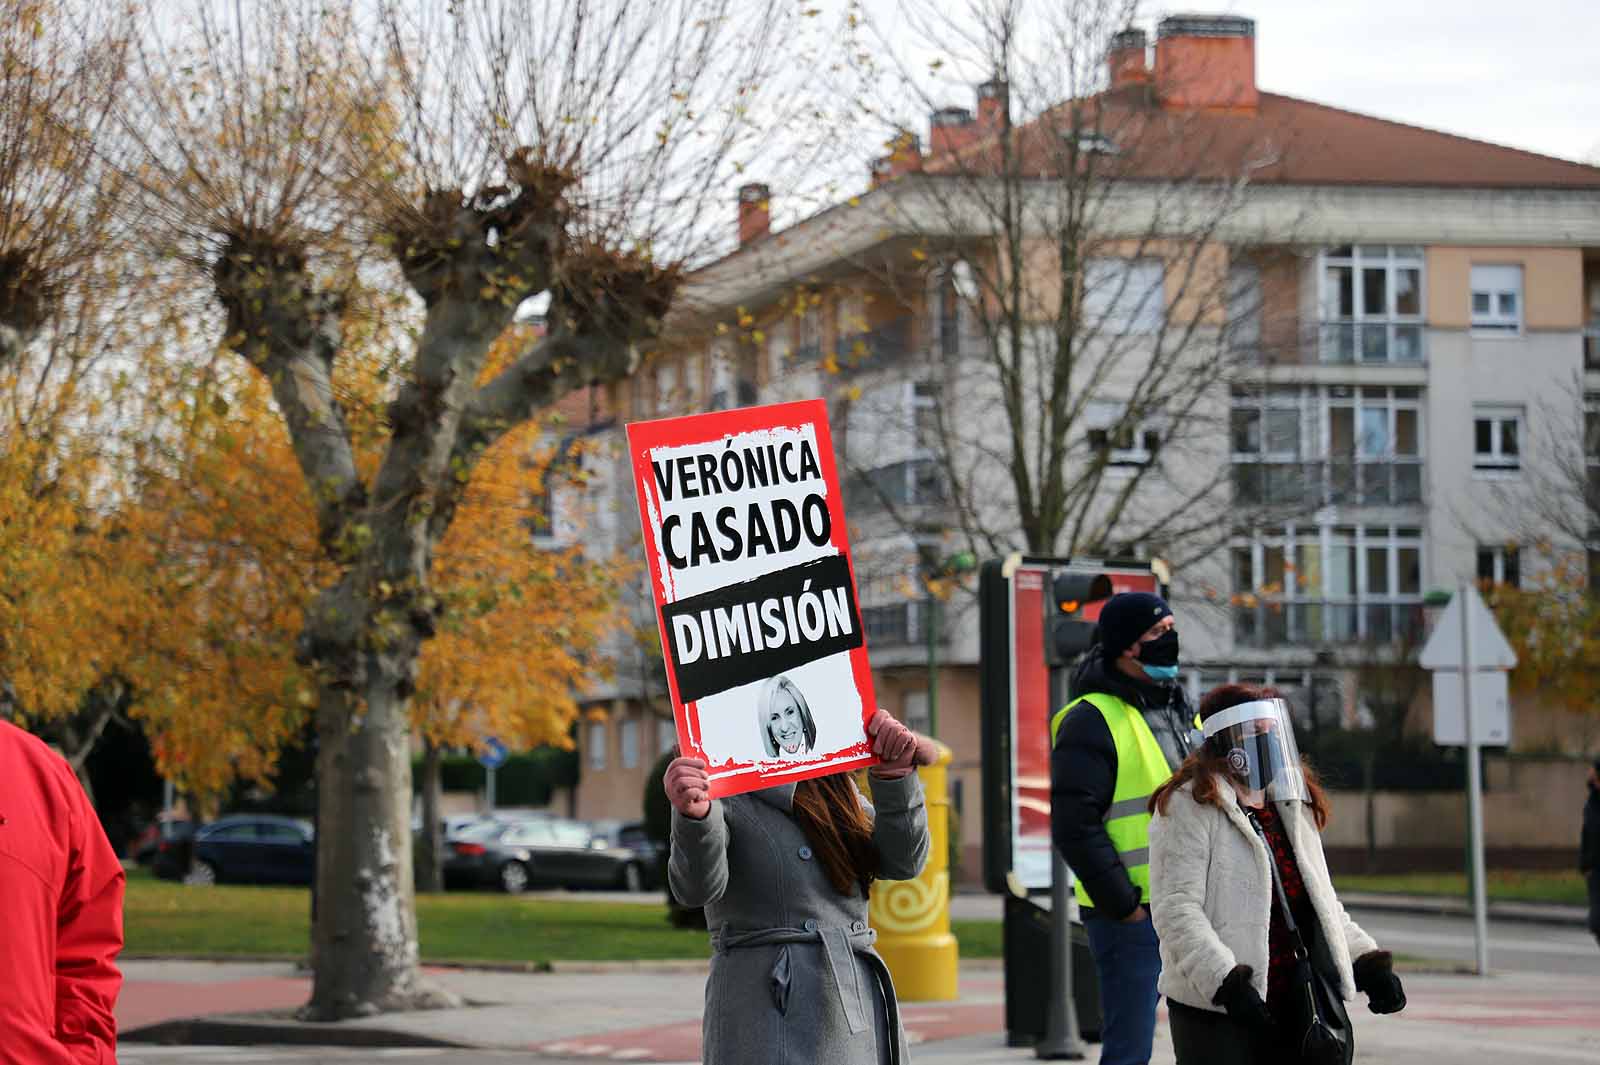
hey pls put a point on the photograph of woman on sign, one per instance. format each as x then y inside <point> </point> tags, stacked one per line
<point>784,720</point>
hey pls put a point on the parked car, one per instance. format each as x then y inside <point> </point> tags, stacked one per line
<point>544,852</point>
<point>165,845</point>
<point>246,849</point>
<point>632,836</point>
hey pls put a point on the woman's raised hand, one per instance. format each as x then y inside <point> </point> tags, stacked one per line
<point>899,750</point>
<point>688,787</point>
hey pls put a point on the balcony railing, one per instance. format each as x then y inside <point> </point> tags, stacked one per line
<point>1317,623</point>
<point>896,625</point>
<point>1338,482</point>
<point>1372,342</point>
<point>883,346</point>
<point>1591,347</point>
<point>918,482</point>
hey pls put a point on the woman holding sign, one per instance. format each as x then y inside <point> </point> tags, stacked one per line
<point>783,874</point>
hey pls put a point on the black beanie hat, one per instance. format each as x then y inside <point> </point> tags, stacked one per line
<point>1125,618</point>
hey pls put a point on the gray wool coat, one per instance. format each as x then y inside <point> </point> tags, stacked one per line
<point>794,978</point>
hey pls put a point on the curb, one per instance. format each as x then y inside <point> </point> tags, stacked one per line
<point>223,1031</point>
<point>1566,916</point>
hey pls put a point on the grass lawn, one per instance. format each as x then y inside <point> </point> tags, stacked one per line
<point>167,918</point>
<point>1504,885</point>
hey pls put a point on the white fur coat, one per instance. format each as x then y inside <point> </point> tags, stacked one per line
<point>1211,891</point>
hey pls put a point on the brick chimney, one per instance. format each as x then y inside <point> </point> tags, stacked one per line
<point>905,153</point>
<point>1206,62</point>
<point>950,129</point>
<point>1126,61</point>
<point>755,213</point>
<point>994,100</point>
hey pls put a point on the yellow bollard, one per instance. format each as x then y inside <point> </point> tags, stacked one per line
<point>912,917</point>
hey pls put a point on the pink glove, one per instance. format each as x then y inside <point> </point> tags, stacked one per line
<point>899,750</point>
<point>688,787</point>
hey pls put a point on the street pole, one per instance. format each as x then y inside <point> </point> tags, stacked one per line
<point>490,787</point>
<point>1060,1042</point>
<point>933,665</point>
<point>1480,904</point>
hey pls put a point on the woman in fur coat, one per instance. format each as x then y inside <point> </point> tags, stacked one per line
<point>1238,808</point>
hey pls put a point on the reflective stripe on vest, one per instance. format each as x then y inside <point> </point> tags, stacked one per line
<point>1141,769</point>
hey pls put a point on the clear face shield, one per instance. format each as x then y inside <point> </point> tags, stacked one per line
<point>1256,740</point>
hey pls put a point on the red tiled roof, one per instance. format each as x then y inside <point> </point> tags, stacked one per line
<point>1284,141</point>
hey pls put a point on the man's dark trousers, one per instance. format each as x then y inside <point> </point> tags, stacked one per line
<point>1127,957</point>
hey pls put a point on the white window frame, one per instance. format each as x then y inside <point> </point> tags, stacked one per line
<point>666,384</point>
<point>1103,416</point>
<point>1497,556</point>
<point>1244,310</point>
<point>724,380</point>
<point>1325,539</point>
<point>1314,407</point>
<point>1387,320</point>
<point>1117,301</point>
<point>628,743</point>
<point>916,711</point>
<point>666,734</point>
<point>597,738</point>
<point>1495,462</point>
<point>1495,282</point>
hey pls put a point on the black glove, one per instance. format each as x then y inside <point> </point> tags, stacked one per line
<point>1238,996</point>
<point>1374,972</point>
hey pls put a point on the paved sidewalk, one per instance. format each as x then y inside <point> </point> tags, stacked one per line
<point>652,1014</point>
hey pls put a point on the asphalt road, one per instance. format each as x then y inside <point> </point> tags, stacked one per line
<point>1514,946</point>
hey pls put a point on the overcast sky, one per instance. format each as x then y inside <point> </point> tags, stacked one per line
<point>1525,74</point>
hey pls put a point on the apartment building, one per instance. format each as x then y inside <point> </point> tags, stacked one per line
<point>1413,325</point>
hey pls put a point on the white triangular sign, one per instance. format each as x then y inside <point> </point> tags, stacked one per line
<point>1490,648</point>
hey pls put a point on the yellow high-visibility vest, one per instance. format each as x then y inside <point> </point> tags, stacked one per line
<point>1141,769</point>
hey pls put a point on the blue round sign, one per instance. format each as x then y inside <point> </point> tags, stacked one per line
<point>493,754</point>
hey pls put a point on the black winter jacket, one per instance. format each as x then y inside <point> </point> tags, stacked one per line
<point>1589,844</point>
<point>1083,778</point>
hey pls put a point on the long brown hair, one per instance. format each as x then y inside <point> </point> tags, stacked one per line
<point>1206,768</point>
<point>829,811</point>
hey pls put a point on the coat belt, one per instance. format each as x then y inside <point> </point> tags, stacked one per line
<point>839,947</point>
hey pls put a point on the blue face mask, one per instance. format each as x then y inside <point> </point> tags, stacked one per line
<point>1159,657</point>
<point>1159,672</point>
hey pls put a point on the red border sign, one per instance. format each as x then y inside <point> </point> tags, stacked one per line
<point>744,537</point>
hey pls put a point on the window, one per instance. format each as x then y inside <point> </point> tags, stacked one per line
<point>1371,300</point>
<point>1314,584</point>
<point>666,387</point>
<point>916,712</point>
<point>1497,300</point>
<point>1124,295</point>
<point>892,441</point>
<point>628,743</point>
<point>1124,441</point>
<point>1244,310</point>
<point>1499,564</point>
<point>1497,439</point>
<point>722,381</point>
<point>666,735</point>
<point>1326,445</point>
<point>598,739</point>
<point>809,346</point>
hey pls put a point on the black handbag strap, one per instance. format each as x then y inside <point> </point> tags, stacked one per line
<point>1300,952</point>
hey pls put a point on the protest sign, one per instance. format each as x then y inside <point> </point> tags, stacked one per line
<point>744,536</point>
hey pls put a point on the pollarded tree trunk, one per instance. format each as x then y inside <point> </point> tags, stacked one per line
<point>430,861</point>
<point>364,949</point>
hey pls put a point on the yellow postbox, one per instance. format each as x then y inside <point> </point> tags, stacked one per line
<point>912,917</point>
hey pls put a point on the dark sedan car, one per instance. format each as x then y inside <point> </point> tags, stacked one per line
<point>247,849</point>
<point>547,852</point>
<point>631,835</point>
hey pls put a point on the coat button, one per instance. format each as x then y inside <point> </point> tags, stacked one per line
<point>805,854</point>
<point>811,924</point>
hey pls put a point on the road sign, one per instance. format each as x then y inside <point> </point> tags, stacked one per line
<point>493,754</point>
<point>1491,708</point>
<point>1469,656</point>
<point>1490,648</point>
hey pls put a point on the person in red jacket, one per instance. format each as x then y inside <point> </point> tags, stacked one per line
<point>60,913</point>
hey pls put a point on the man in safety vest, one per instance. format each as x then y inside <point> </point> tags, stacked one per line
<point>1125,730</point>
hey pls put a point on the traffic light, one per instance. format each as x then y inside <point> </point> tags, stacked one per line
<point>1068,633</point>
